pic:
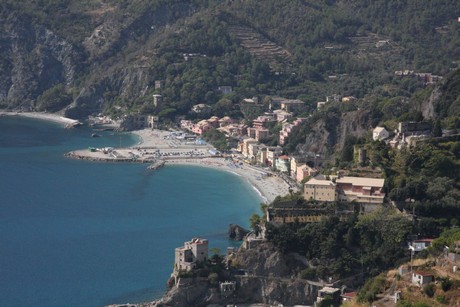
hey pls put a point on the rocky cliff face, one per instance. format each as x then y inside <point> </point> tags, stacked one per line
<point>270,278</point>
<point>33,59</point>
<point>106,65</point>
<point>329,133</point>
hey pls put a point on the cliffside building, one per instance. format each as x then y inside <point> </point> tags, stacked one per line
<point>189,255</point>
<point>380,134</point>
<point>366,191</point>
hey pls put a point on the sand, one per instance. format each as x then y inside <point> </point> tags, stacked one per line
<point>265,182</point>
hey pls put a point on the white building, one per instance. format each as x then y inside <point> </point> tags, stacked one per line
<point>380,134</point>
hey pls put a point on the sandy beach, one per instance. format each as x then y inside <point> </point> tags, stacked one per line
<point>267,185</point>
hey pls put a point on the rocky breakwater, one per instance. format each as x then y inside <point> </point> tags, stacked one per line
<point>111,155</point>
<point>256,275</point>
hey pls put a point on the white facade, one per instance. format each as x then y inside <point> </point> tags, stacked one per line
<point>380,133</point>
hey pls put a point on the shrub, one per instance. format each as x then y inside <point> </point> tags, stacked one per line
<point>429,289</point>
<point>446,284</point>
<point>441,299</point>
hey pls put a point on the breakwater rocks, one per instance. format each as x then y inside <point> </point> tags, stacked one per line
<point>107,158</point>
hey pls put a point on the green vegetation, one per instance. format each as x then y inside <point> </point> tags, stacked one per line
<point>371,288</point>
<point>217,139</point>
<point>364,244</point>
<point>54,99</point>
<point>429,289</point>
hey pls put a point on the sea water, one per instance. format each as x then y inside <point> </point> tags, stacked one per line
<point>79,233</point>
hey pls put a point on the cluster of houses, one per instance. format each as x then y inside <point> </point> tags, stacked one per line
<point>407,134</point>
<point>426,78</point>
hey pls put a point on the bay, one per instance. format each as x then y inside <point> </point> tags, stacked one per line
<point>79,233</point>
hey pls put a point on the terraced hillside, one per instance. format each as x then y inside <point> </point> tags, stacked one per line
<point>262,48</point>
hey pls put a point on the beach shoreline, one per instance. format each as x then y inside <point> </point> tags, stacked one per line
<point>266,185</point>
<point>53,117</point>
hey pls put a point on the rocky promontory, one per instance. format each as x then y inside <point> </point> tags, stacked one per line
<point>257,274</point>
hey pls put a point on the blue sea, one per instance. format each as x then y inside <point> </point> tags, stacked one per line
<point>79,233</point>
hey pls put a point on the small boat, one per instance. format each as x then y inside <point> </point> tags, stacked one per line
<point>95,135</point>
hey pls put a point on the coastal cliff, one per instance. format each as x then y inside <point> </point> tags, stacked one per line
<point>260,274</point>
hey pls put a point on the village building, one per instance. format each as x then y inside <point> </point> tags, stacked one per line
<point>320,104</point>
<point>331,292</point>
<point>420,244</point>
<point>320,190</point>
<point>422,278</point>
<point>281,115</point>
<point>290,105</point>
<point>262,121</point>
<point>227,288</point>
<point>138,121</point>
<point>189,255</point>
<point>201,127</point>
<point>157,99</point>
<point>253,150</point>
<point>380,134</point>
<point>287,129</point>
<point>225,89</point>
<point>303,171</point>
<point>282,164</point>
<point>361,190</point>
<point>245,146</point>
<point>225,121</point>
<point>201,108</point>
<point>234,130</point>
<point>348,296</point>
<point>349,99</point>
<point>273,153</point>
<point>159,84</point>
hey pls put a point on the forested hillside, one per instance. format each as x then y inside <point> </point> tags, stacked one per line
<point>96,55</point>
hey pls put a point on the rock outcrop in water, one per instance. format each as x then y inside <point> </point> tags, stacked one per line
<point>236,232</point>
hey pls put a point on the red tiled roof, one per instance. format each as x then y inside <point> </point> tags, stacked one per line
<point>349,294</point>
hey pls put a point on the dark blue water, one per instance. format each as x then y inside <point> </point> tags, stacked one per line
<point>78,233</point>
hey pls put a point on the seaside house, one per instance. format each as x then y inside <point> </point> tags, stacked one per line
<point>282,164</point>
<point>304,171</point>
<point>189,255</point>
<point>245,146</point>
<point>273,153</point>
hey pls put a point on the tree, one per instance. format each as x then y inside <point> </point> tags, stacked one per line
<point>254,222</point>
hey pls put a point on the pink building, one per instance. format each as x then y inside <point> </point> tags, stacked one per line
<point>304,171</point>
